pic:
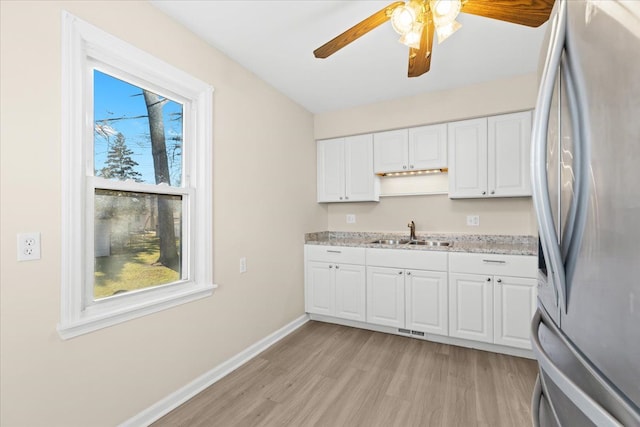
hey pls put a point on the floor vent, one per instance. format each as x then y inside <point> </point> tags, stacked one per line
<point>421,334</point>
<point>404,331</point>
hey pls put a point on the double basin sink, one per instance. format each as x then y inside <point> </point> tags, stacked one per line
<point>411,242</point>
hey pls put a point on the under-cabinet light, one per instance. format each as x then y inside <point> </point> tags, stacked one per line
<point>418,172</point>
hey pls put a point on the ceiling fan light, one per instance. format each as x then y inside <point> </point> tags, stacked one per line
<point>444,31</point>
<point>402,19</point>
<point>445,11</point>
<point>412,37</point>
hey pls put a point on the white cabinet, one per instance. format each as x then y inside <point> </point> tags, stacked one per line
<point>320,288</point>
<point>345,170</point>
<point>489,156</point>
<point>350,291</point>
<point>508,153</point>
<point>492,297</point>
<point>468,158</point>
<point>402,296</point>
<point>418,148</point>
<point>335,281</point>
<point>426,301</point>
<point>471,307</point>
<point>385,296</point>
<point>514,303</point>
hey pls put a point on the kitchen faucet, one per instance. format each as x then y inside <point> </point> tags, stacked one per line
<point>412,227</point>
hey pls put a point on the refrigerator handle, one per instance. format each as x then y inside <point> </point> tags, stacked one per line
<point>579,206</point>
<point>582,400</point>
<point>539,182</point>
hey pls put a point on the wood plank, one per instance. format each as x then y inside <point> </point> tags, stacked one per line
<point>332,375</point>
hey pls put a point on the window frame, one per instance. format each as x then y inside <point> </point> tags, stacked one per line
<point>85,48</point>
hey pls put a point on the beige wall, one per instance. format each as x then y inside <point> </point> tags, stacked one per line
<point>261,140</point>
<point>435,213</point>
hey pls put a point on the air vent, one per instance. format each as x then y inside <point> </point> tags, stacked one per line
<point>421,334</point>
<point>404,331</point>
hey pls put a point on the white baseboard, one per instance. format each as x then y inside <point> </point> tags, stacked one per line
<point>177,398</point>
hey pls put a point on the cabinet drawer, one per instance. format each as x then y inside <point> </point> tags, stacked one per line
<point>339,254</point>
<point>506,265</point>
<point>399,258</point>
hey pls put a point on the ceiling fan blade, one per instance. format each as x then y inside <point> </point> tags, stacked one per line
<point>532,13</point>
<point>420,59</point>
<point>357,31</point>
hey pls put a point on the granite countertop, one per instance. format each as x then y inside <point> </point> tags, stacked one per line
<point>478,243</point>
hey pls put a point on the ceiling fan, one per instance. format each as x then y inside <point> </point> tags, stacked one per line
<point>416,20</point>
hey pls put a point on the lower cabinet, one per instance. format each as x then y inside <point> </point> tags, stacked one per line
<point>477,297</point>
<point>385,296</point>
<point>333,286</point>
<point>514,304</point>
<point>471,307</point>
<point>350,291</point>
<point>489,307</point>
<point>407,289</point>
<point>426,302</point>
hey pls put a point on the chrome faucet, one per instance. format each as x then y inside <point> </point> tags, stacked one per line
<point>412,227</point>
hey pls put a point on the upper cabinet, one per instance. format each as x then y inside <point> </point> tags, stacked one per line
<point>418,148</point>
<point>345,170</point>
<point>489,157</point>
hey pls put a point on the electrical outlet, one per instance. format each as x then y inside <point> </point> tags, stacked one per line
<point>243,265</point>
<point>473,220</point>
<point>28,246</point>
<point>351,219</point>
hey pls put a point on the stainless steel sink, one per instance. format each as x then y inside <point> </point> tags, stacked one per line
<point>411,242</point>
<point>429,243</point>
<point>390,242</point>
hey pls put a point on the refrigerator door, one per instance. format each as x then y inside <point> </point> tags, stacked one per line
<point>576,393</point>
<point>602,317</point>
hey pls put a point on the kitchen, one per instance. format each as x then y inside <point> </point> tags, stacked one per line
<point>263,205</point>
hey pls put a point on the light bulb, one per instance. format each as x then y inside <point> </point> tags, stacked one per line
<point>402,19</point>
<point>412,37</point>
<point>444,11</point>
<point>442,7</point>
<point>444,31</point>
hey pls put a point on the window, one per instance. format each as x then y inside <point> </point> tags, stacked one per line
<point>136,182</point>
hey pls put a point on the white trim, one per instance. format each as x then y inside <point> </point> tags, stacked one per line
<point>495,348</point>
<point>99,183</point>
<point>148,306</point>
<point>177,398</point>
<point>82,45</point>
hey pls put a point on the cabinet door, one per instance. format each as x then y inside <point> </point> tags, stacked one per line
<point>350,292</point>
<point>514,303</point>
<point>509,147</point>
<point>471,307</point>
<point>360,181</point>
<point>467,158</point>
<point>330,171</point>
<point>320,288</point>
<point>391,151</point>
<point>385,296</point>
<point>428,147</point>
<point>426,302</point>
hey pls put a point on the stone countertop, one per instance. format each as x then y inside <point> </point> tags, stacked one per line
<point>477,243</point>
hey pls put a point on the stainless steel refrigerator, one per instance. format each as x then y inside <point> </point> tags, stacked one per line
<point>586,193</point>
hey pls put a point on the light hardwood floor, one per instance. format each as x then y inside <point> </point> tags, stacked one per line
<point>331,375</point>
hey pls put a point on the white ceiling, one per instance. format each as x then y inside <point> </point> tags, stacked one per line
<point>275,40</point>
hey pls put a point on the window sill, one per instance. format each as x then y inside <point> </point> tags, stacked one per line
<point>90,321</point>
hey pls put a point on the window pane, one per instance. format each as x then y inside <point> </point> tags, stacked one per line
<point>130,125</point>
<point>138,241</point>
